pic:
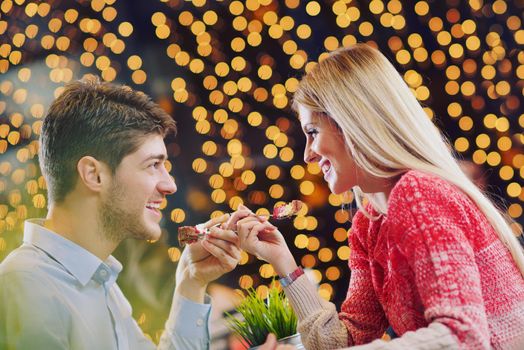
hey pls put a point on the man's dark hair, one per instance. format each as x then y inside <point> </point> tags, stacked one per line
<point>98,119</point>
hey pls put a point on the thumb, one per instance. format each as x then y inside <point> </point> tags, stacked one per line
<point>271,342</point>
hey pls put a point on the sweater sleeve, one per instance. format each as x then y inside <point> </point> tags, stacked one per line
<point>318,322</point>
<point>361,312</point>
<point>362,319</point>
<point>431,234</point>
<point>434,337</point>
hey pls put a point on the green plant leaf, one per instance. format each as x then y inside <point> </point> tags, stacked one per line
<point>261,317</point>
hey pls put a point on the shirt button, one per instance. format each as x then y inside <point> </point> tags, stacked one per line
<point>200,322</point>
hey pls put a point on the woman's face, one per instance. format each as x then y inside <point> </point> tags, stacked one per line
<point>326,146</point>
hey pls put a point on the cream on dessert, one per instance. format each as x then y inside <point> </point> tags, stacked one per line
<point>286,210</point>
<point>190,234</point>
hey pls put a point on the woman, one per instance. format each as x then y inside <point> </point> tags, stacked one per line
<point>430,255</point>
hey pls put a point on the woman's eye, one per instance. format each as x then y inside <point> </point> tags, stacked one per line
<point>312,132</point>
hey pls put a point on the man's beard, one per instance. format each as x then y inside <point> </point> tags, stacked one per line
<point>119,220</point>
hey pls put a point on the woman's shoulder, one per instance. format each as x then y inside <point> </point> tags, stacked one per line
<point>415,185</point>
<point>359,221</point>
<point>418,193</point>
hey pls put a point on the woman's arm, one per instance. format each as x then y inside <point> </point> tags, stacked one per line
<point>361,319</point>
<point>431,233</point>
<point>321,326</point>
<point>434,337</point>
<point>318,320</point>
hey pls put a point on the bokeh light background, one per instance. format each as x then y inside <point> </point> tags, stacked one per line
<point>226,71</point>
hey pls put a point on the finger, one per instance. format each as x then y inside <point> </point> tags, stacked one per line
<point>271,342</point>
<point>249,237</point>
<point>256,229</point>
<point>235,217</point>
<point>247,226</point>
<point>251,218</point>
<point>251,241</point>
<point>266,225</point>
<point>216,221</point>
<point>226,235</point>
<point>227,247</point>
<point>244,228</point>
<point>223,257</point>
<point>236,253</point>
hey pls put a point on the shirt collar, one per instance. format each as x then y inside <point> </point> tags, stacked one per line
<point>81,263</point>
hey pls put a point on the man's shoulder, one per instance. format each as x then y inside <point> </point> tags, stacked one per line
<point>27,277</point>
<point>27,262</point>
<point>29,295</point>
<point>20,259</point>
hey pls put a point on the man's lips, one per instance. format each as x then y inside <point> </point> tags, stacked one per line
<point>154,207</point>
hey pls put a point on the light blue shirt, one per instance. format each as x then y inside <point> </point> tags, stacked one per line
<point>54,294</point>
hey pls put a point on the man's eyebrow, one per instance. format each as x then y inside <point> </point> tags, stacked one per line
<point>159,156</point>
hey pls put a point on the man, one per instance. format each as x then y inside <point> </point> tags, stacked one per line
<point>103,155</point>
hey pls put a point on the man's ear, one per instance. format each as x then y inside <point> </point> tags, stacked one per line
<point>92,172</point>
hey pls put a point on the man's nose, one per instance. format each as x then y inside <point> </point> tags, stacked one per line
<point>167,185</point>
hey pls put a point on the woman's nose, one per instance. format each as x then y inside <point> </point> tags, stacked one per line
<point>309,155</point>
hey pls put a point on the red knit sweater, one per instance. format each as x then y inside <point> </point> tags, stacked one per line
<point>433,258</point>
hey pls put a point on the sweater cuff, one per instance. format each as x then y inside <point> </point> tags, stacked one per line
<point>303,297</point>
<point>435,337</point>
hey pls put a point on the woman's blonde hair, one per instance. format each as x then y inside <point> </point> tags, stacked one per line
<point>385,128</point>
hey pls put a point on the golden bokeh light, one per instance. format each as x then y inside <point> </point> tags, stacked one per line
<point>227,71</point>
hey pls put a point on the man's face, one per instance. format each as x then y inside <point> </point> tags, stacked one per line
<point>130,205</point>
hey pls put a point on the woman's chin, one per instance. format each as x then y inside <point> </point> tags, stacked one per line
<point>338,187</point>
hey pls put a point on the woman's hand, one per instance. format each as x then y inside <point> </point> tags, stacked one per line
<point>271,344</point>
<point>262,239</point>
<point>242,212</point>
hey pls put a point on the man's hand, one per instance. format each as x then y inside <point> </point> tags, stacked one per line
<point>271,344</point>
<point>207,260</point>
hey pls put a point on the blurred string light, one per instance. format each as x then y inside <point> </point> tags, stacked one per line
<point>234,68</point>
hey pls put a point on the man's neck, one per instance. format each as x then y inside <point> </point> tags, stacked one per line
<point>82,227</point>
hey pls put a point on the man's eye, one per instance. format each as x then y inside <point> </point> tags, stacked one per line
<point>155,164</point>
